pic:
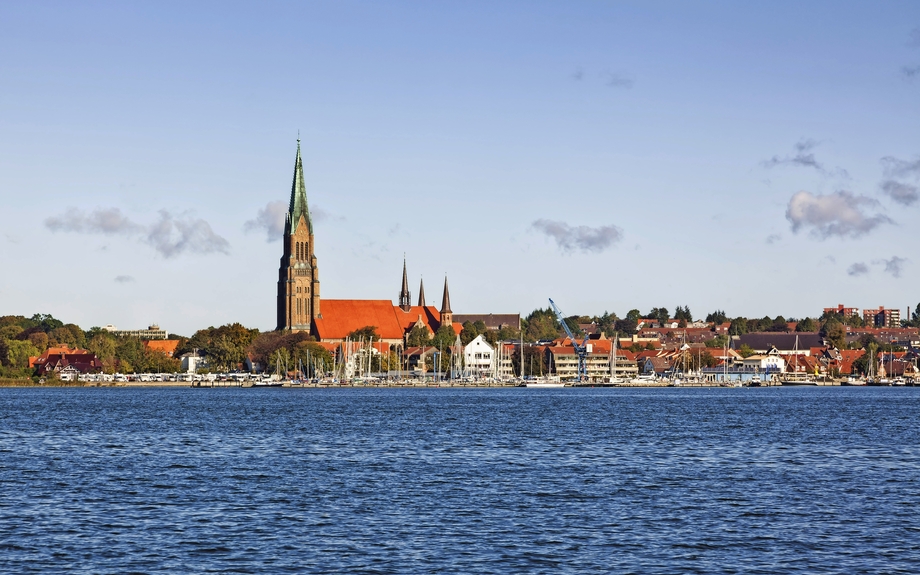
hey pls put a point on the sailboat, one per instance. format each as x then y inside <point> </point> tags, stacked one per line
<point>613,362</point>
<point>795,378</point>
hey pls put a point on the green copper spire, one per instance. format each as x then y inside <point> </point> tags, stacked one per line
<point>299,196</point>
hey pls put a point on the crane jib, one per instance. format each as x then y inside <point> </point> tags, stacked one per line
<point>581,350</point>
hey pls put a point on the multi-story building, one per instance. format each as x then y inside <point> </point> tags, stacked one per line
<point>842,311</point>
<point>563,361</point>
<point>152,332</point>
<point>882,317</point>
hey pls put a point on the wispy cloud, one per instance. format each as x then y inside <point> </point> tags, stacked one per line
<point>269,219</point>
<point>910,72</point>
<point>173,235</point>
<point>803,157</point>
<point>108,221</point>
<point>581,238</point>
<point>893,266</point>
<point>840,214</point>
<point>579,74</point>
<point>618,80</point>
<point>897,168</point>
<point>773,238</point>
<point>904,194</point>
<point>170,236</point>
<point>858,269</point>
<point>914,38</point>
<point>124,279</point>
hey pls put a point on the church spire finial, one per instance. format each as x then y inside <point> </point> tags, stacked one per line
<point>405,298</point>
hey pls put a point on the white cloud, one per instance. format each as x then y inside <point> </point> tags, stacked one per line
<point>582,238</point>
<point>169,236</point>
<point>904,194</point>
<point>840,214</point>
<point>269,219</point>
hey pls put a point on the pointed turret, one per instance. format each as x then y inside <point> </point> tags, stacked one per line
<point>447,316</point>
<point>421,293</point>
<point>405,298</point>
<point>298,206</point>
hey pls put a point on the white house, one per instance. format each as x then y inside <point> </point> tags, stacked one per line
<point>765,362</point>
<point>192,362</point>
<point>479,357</point>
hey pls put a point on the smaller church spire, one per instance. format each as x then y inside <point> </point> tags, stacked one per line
<point>445,300</point>
<point>447,316</point>
<point>405,298</point>
<point>421,293</point>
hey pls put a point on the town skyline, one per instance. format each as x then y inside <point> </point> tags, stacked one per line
<point>609,157</point>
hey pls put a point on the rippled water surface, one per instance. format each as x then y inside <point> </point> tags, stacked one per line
<point>470,481</point>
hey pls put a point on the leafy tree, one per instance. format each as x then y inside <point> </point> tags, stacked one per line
<point>835,333</point>
<point>745,350</point>
<point>311,354</point>
<point>46,322</point>
<point>508,333</point>
<point>444,338</point>
<point>625,327</point>
<point>365,333</point>
<point>806,325</point>
<point>717,317</point>
<point>19,352</point>
<point>535,362</point>
<point>280,358</point>
<point>10,331</point>
<point>683,313</point>
<point>419,336</point>
<point>779,324</point>
<point>739,326</point>
<point>69,334</point>
<point>39,339</point>
<point>659,314</point>
<point>103,345</point>
<point>129,353</point>
<point>634,315</point>
<point>4,353</point>
<point>541,324</point>
<point>718,342</point>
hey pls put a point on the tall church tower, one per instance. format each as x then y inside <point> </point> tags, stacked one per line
<point>298,276</point>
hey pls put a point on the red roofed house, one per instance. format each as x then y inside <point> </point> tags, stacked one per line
<point>62,359</point>
<point>165,346</point>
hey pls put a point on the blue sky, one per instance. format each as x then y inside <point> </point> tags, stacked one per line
<point>761,158</point>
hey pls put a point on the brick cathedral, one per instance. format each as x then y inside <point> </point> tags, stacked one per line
<point>299,307</point>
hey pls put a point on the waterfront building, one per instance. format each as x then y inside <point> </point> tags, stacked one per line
<point>65,362</point>
<point>563,361</point>
<point>479,357</point>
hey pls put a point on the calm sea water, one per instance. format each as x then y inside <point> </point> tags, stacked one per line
<point>467,481</point>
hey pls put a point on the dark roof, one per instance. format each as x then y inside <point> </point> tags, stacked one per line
<point>783,341</point>
<point>492,320</point>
